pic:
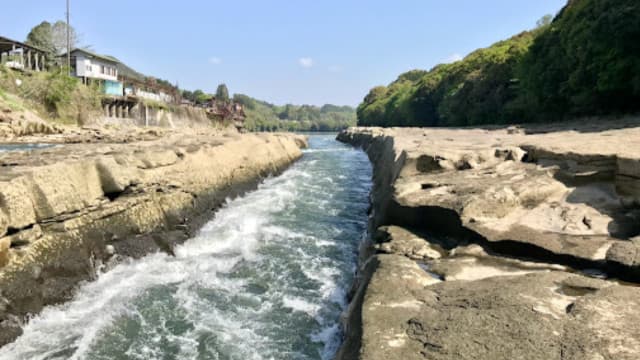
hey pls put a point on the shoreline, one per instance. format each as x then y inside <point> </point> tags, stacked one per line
<point>89,203</point>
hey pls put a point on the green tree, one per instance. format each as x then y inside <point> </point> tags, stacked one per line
<point>200,97</point>
<point>222,93</point>
<point>40,36</point>
<point>544,21</point>
<point>59,37</point>
<point>52,39</point>
<point>188,95</point>
<point>585,61</point>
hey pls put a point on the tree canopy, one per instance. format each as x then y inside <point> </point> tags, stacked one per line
<point>571,65</point>
<point>222,93</point>
<point>40,36</point>
<point>52,37</point>
<point>264,116</point>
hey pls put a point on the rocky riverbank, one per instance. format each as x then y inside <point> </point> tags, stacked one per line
<point>70,210</point>
<point>499,244</point>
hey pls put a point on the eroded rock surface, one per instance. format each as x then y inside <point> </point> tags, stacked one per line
<point>65,210</point>
<point>569,193</point>
<point>495,244</point>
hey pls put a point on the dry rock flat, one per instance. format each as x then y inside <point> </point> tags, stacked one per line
<point>500,244</point>
<point>67,209</point>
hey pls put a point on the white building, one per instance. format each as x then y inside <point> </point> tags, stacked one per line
<point>91,67</point>
<point>156,96</point>
<point>86,64</point>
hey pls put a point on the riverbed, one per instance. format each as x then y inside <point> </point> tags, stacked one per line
<point>265,279</point>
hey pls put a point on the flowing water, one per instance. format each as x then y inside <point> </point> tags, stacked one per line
<point>22,147</point>
<point>265,279</point>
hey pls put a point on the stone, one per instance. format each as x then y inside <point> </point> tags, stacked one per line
<point>626,253</point>
<point>407,314</point>
<point>558,191</point>
<point>528,228</point>
<point>5,245</point>
<point>403,242</point>
<point>16,203</point>
<point>115,178</point>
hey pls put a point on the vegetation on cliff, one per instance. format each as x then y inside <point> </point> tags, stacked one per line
<point>54,95</point>
<point>584,62</point>
<point>263,116</point>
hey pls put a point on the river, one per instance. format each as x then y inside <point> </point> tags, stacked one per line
<point>22,147</point>
<point>265,279</point>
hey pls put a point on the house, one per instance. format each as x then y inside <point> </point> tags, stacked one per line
<point>18,55</point>
<point>186,102</point>
<point>227,111</point>
<point>94,68</point>
<point>145,87</point>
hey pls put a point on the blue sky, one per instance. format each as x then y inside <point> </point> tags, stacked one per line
<point>302,52</point>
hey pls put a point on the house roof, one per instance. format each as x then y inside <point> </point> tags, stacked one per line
<point>94,55</point>
<point>7,44</point>
<point>126,71</point>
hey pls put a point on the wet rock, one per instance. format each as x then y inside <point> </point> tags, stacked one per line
<point>25,237</point>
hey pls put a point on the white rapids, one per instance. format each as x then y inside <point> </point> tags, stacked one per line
<point>265,279</point>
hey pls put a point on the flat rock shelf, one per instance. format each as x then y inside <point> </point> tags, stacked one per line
<point>499,244</point>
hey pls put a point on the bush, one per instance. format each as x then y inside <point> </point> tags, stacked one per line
<point>58,91</point>
<point>55,95</point>
<point>262,116</point>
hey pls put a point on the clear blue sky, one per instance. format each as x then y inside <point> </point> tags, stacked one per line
<point>302,52</point>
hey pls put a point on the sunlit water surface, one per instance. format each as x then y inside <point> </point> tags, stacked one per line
<point>22,147</point>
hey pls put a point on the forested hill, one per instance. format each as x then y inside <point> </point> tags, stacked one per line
<point>586,61</point>
<point>263,116</point>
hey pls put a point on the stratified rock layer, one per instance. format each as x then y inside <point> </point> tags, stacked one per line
<point>482,240</point>
<point>67,209</point>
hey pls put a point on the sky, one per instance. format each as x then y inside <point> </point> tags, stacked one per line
<point>283,51</point>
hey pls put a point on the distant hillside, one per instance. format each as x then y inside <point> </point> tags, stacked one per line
<point>263,116</point>
<point>585,62</point>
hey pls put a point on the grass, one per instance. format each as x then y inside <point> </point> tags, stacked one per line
<point>53,95</point>
<point>11,102</point>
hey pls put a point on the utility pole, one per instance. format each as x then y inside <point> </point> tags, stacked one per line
<point>68,41</point>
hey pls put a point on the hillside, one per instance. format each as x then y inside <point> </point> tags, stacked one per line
<point>569,68</point>
<point>263,116</point>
